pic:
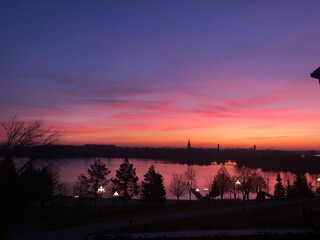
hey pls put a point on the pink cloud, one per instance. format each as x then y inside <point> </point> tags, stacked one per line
<point>215,102</point>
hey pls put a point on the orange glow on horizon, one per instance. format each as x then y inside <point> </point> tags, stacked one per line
<point>239,77</point>
<point>275,121</point>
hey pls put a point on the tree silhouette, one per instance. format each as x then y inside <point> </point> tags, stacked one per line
<point>178,185</point>
<point>38,184</point>
<point>258,183</point>
<point>9,185</point>
<point>97,174</point>
<point>301,187</point>
<point>152,187</point>
<point>87,186</point>
<point>190,175</point>
<point>126,181</point>
<point>279,189</point>
<point>244,175</point>
<point>81,188</point>
<point>318,192</point>
<point>234,189</point>
<point>21,134</point>
<point>214,189</point>
<point>289,192</point>
<point>222,181</point>
<point>18,181</point>
<point>251,181</point>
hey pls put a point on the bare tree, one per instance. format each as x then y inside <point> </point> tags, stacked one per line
<point>233,187</point>
<point>20,134</point>
<point>81,188</point>
<point>190,175</point>
<point>258,183</point>
<point>251,182</point>
<point>178,185</point>
<point>244,176</point>
<point>33,183</point>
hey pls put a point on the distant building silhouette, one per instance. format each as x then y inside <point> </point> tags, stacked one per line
<point>189,145</point>
<point>254,147</point>
<point>218,147</point>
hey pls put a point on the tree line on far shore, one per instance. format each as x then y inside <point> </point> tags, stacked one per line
<point>266,159</point>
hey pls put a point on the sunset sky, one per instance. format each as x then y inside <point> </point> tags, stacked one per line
<point>157,73</point>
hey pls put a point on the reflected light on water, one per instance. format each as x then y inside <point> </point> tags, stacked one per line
<point>71,168</point>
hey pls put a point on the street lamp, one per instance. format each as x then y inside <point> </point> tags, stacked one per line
<point>238,184</point>
<point>100,190</point>
<point>115,194</point>
<point>115,197</point>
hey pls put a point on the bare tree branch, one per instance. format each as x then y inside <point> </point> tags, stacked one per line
<point>21,134</point>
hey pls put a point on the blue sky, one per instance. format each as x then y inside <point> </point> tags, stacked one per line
<point>160,72</point>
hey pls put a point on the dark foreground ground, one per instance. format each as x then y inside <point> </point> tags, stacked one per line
<point>237,220</point>
<point>244,237</point>
<point>287,219</point>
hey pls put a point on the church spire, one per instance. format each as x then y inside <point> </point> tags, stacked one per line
<point>189,145</point>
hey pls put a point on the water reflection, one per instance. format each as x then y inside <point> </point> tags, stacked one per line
<point>71,168</point>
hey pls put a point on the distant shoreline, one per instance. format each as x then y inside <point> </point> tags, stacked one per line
<point>275,160</point>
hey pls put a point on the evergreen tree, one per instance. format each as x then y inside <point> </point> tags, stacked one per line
<point>301,187</point>
<point>152,187</point>
<point>87,186</point>
<point>223,181</point>
<point>279,190</point>
<point>289,192</point>
<point>97,174</point>
<point>214,190</point>
<point>126,180</point>
<point>38,184</point>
